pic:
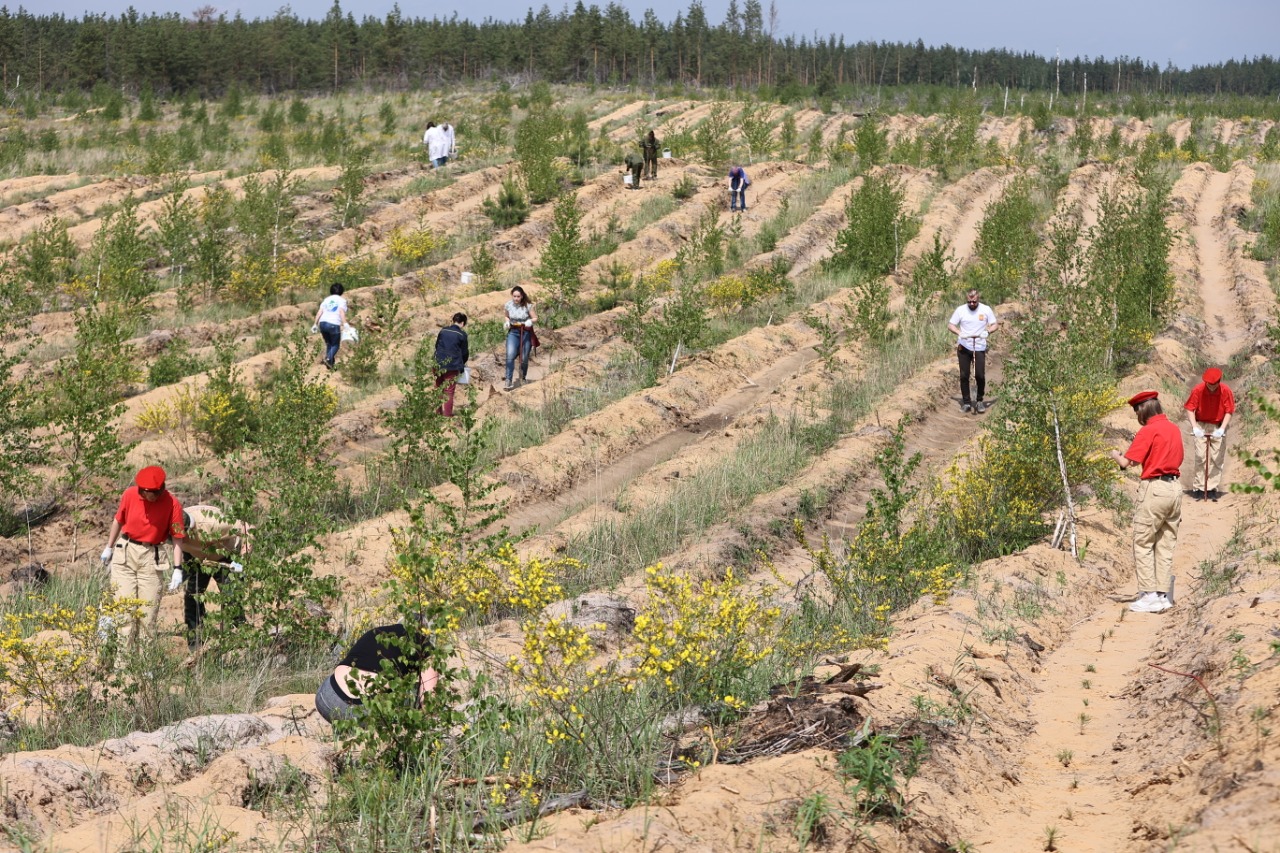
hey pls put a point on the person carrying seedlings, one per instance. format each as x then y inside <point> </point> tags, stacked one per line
<point>649,147</point>
<point>1158,449</point>
<point>1209,410</point>
<point>452,354</point>
<point>635,163</point>
<point>972,322</point>
<point>147,519</point>
<point>520,336</point>
<point>213,545</point>
<point>330,318</point>
<point>738,183</point>
<point>340,696</point>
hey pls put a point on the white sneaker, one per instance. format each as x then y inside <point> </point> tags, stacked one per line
<point>1146,603</point>
<point>1161,603</point>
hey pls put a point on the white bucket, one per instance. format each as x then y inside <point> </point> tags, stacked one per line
<point>626,180</point>
<point>468,278</point>
<point>666,153</point>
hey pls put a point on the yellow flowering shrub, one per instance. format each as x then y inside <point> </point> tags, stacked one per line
<point>413,247</point>
<point>489,585</point>
<point>728,293</point>
<point>50,655</point>
<point>173,419</point>
<point>700,638</point>
<point>661,277</point>
<point>733,291</point>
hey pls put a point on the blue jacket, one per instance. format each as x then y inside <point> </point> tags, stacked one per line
<point>452,351</point>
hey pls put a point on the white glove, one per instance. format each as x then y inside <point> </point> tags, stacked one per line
<point>107,553</point>
<point>236,567</point>
<point>1197,432</point>
<point>176,580</point>
<point>315,327</point>
<point>1220,432</point>
<point>506,326</point>
<point>529,323</point>
<point>983,334</point>
<point>105,626</point>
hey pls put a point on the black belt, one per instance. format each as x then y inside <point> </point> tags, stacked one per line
<point>126,537</point>
<point>1168,478</point>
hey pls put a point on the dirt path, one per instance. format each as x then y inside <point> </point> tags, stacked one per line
<point>1090,739</point>
<point>1224,326</point>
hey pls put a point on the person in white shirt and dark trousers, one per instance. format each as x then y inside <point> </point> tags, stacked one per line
<point>972,323</point>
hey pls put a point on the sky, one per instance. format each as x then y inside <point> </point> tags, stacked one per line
<point>1184,32</point>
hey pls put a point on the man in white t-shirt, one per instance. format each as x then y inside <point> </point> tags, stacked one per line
<point>971,323</point>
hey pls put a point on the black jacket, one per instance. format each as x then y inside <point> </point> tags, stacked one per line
<point>452,351</point>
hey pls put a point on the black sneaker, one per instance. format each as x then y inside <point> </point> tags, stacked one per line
<point>1197,494</point>
<point>1213,494</point>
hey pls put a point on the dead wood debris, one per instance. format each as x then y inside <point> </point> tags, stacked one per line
<point>801,715</point>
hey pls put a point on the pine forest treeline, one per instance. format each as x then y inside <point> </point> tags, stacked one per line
<point>207,53</point>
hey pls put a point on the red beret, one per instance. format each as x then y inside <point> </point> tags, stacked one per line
<point>1212,375</point>
<point>1142,397</point>
<point>151,477</point>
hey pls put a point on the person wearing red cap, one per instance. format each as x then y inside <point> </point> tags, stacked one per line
<point>148,518</point>
<point>1158,449</point>
<point>1209,410</point>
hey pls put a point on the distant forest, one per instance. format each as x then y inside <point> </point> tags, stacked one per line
<point>207,53</point>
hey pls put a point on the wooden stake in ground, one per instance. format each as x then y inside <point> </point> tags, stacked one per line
<point>1066,484</point>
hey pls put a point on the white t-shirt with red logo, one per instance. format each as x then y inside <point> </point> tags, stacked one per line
<point>972,322</point>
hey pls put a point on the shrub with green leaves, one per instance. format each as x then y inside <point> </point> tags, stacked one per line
<point>559,269</point>
<point>510,208</point>
<point>281,483</point>
<point>931,277</point>
<point>680,324</point>
<point>348,193</point>
<point>870,142</point>
<point>879,772</point>
<point>43,263</point>
<point>537,142</point>
<point>380,327</point>
<point>118,262</point>
<point>878,227</point>
<point>1005,252</point>
<point>1130,282</point>
<point>173,363</point>
<point>711,137</point>
<point>227,415</point>
<point>82,403</point>
<point>757,130</point>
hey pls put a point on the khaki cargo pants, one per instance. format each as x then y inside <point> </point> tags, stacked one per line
<point>138,571</point>
<point>1155,533</point>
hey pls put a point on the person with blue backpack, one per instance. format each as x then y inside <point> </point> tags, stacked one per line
<point>738,183</point>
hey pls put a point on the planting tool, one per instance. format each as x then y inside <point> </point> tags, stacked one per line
<point>1204,493</point>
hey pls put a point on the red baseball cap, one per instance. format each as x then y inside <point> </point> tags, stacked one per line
<point>1142,397</point>
<point>151,478</point>
<point>1212,375</point>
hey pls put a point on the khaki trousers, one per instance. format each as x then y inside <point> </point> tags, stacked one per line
<point>1155,533</point>
<point>138,572</point>
<point>1216,448</point>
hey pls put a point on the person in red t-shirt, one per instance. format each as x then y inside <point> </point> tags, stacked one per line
<point>1158,449</point>
<point>1209,410</point>
<point>148,519</point>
